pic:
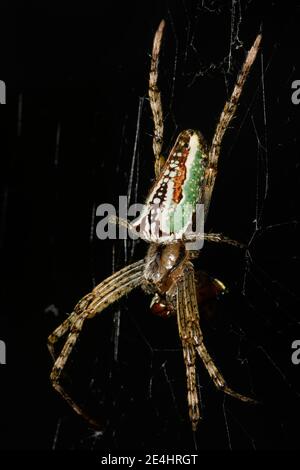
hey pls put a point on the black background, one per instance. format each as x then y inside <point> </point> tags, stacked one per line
<point>81,71</point>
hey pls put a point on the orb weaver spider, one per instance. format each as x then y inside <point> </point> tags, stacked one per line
<point>167,271</point>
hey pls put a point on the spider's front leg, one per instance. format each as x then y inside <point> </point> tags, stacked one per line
<point>73,325</point>
<point>192,340</point>
<point>188,321</point>
<point>65,327</point>
<point>106,293</point>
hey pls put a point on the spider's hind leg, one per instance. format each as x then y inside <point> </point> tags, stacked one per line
<point>65,327</point>
<point>106,293</point>
<point>216,375</point>
<point>192,340</point>
<point>60,363</point>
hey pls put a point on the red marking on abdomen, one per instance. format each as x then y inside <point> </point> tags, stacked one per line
<point>179,179</point>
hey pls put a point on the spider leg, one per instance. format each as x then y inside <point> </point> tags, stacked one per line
<point>155,100</point>
<point>213,371</point>
<point>113,219</point>
<point>187,320</point>
<point>192,339</point>
<point>106,293</point>
<point>59,332</point>
<point>212,237</point>
<point>226,116</point>
<point>62,329</point>
<point>217,377</point>
<point>55,377</point>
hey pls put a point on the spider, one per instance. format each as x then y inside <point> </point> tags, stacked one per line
<point>186,178</point>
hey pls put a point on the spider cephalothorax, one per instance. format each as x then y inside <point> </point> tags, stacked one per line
<point>208,290</point>
<point>163,265</point>
<point>167,273</point>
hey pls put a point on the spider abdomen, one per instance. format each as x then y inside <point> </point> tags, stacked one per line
<point>172,200</point>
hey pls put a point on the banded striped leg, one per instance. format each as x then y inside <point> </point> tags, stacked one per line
<point>226,116</point>
<point>155,100</point>
<point>64,328</point>
<point>212,237</point>
<point>106,293</point>
<point>192,340</point>
<point>188,326</point>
